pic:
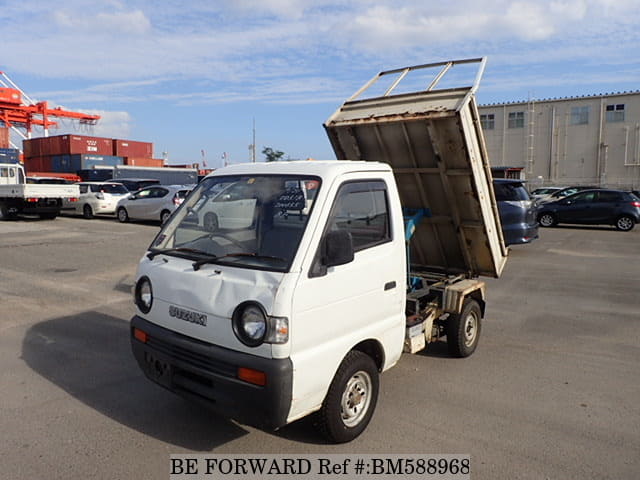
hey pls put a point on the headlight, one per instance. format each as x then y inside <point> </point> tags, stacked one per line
<point>144,295</point>
<point>253,327</point>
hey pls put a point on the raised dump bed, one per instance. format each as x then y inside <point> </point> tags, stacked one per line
<point>433,141</point>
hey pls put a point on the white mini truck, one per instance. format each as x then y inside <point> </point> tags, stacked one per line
<point>314,276</point>
<point>19,197</point>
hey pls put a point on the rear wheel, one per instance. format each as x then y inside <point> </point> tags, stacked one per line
<point>625,223</point>
<point>463,329</point>
<point>4,212</point>
<point>87,212</point>
<point>351,399</point>
<point>164,216</point>
<point>547,219</point>
<point>210,222</point>
<point>123,216</point>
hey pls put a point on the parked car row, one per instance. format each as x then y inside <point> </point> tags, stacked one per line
<point>154,202</point>
<point>520,211</point>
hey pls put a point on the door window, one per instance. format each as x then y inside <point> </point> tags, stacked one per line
<point>361,208</point>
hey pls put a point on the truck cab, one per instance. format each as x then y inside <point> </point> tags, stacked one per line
<point>277,290</point>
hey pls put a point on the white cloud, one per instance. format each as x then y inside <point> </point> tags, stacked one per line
<point>112,124</point>
<point>150,50</point>
<point>134,21</point>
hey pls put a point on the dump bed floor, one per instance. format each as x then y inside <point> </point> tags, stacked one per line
<point>433,142</point>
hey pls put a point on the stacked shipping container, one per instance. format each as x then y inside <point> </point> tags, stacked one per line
<point>9,155</point>
<point>71,153</point>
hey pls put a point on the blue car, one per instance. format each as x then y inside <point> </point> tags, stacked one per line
<point>518,211</point>
<point>593,207</point>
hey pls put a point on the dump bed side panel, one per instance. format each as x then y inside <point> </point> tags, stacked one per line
<point>434,144</point>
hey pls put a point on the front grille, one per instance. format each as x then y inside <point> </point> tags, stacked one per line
<point>184,357</point>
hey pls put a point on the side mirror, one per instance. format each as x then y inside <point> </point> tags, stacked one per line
<point>337,248</point>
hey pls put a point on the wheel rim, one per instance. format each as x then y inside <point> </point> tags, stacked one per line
<point>356,398</point>
<point>625,223</point>
<point>210,223</point>
<point>87,211</point>
<point>546,220</point>
<point>470,329</point>
<point>165,217</point>
<point>122,214</point>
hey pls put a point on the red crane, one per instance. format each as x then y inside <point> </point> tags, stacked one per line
<point>18,111</point>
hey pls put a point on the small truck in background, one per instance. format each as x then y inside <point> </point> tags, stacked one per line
<point>317,275</point>
<point>17,196</point>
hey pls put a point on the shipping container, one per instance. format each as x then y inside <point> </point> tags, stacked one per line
<point>67,145</point>
<point>37,164</point>
<point>4,137</point>
<point>130,148</point>
<point>10,95</point>
<point>167,176</point>
<point>9,155</point>
<point>143,162</point>
<point>73,163</point>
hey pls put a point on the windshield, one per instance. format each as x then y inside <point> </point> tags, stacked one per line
<point>253,221</point>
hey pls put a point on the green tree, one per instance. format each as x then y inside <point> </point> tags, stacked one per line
<point>272,155</point>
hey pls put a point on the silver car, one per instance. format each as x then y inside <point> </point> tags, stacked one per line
<point>156,202</point>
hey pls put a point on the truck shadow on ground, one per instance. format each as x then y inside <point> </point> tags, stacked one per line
<point>89,356</point>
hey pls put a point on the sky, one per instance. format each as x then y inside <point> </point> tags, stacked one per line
<point>193,77</point>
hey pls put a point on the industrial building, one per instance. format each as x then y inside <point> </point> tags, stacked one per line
<point>590,140</point>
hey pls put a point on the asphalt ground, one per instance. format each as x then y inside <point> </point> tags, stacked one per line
<point>552,391</point>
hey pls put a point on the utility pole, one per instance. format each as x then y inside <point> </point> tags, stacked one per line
<point>252,146</point>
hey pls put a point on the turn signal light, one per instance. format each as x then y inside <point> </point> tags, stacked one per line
<point>252,376</point>
<point>140,335</point>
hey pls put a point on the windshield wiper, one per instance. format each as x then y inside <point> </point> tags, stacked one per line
<point>158,251</point>
<point>213,259</point>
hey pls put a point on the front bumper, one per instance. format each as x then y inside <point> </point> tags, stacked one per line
<point>207,374</point>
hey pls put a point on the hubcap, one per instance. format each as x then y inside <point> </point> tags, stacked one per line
<point>356,399</point>
<point>546,220</point>
<point>625,223</point>
<point>470,329</point>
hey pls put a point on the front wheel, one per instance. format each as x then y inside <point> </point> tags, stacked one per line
<point>351,399</point>
<point>547,219</point>
<point>625,223</point>
<point>463,329</point>
<point>123,216</point>
<point>87,212</point>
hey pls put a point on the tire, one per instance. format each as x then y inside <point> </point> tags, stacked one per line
<point>547,219</point>
<point>625,223</point>
<point>164,216</point>
<point>463,329</point>
<point>87,212</point>
<point>351,399</point>
<point>4,212</point>
<point>210,222</point>
<point>123,216</point>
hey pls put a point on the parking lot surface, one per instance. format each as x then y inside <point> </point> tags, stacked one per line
<point>551,392</point>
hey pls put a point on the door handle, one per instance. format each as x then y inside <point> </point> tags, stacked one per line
<point>389,286</point>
